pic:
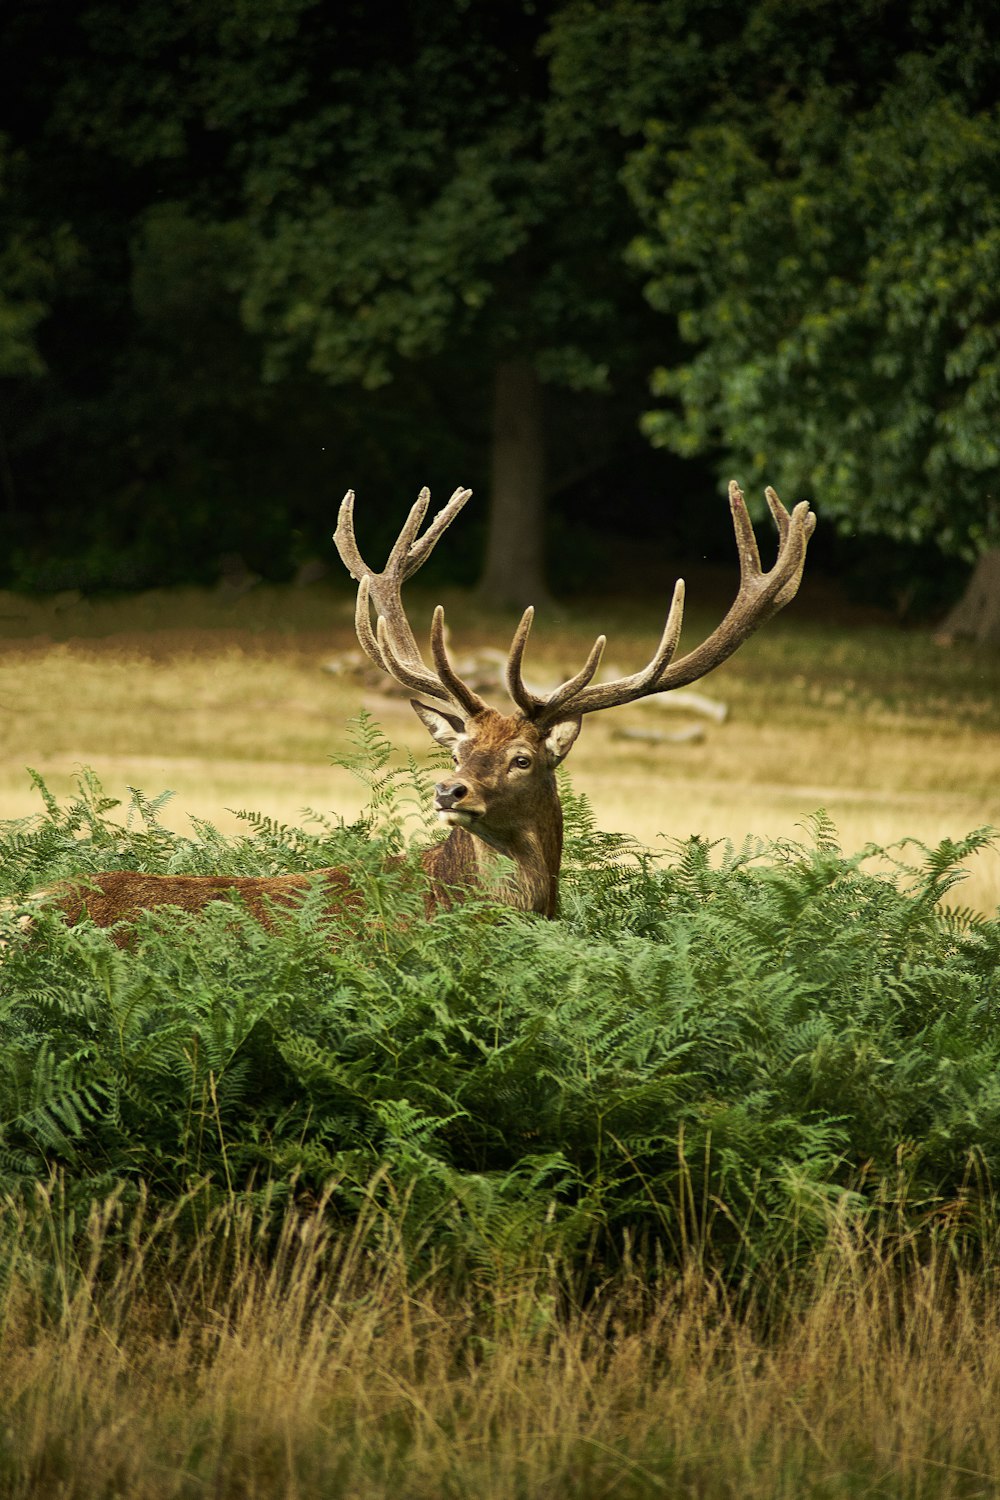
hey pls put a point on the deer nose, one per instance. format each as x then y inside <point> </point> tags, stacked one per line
<point>447,793</point>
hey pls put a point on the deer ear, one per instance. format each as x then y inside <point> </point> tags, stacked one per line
<point>447,729</point>
<point>561,738</point>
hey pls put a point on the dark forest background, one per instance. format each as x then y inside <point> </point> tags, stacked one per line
<point>589,258</point>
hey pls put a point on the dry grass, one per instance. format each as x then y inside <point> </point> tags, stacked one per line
<point>147,1370</point>
<point>224,701</point>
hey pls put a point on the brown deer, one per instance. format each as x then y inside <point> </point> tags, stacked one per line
<point>501,797</point>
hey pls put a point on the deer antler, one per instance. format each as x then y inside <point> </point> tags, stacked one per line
<point>393,649</point>
<point>392,645</point>
<point>760,596</point>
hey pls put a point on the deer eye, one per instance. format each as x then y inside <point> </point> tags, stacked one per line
<point>523,762</point>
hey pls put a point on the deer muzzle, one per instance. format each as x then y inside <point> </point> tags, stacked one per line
<point>453,802</point>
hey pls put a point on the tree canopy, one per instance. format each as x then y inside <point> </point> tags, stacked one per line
<point>832,258</point>
<point>257,251</point>
<point>394,205</point>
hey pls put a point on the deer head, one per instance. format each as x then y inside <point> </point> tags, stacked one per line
<point>502,793</point>
<point>501,761</point>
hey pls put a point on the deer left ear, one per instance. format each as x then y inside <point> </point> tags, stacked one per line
<point>560,739</point>
<point>446,728</point>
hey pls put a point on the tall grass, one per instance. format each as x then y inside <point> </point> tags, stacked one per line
<point>278,1356</point>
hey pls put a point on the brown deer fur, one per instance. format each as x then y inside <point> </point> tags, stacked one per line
<point>508,808</point>
<point>514,809</point>
<point>120,895</point>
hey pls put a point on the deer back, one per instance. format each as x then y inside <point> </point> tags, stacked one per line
<point>121,895</point>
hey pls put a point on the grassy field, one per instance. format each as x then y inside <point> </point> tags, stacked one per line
<point>801,1297</point>
<point>225,701</point>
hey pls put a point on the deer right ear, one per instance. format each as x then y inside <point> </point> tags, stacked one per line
<point>447,729</point>
<point>561,738</point>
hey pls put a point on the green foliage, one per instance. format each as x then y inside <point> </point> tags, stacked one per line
<point>303,237</point>
<point>709,1050</point>
<point>835,268</point>
<point>390,183</point>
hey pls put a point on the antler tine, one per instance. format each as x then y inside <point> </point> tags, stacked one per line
<point>642,682</point>
<point>526,701</point>
<point>563,695</point>
<point>383,588</point>
<point>363,625</point>
<point>457,689</point>
<point>421,549</point>
<point>574,697</point>
<point>392,645</point>
<point>803,519</point>
<point>538,709</point>
<point>399,555</point>
<point>760,596</point>
<point>746,541</point>
<point>779,514</point>
<point>345,541</point>
<point>411,550</point>
<point>410,674</point>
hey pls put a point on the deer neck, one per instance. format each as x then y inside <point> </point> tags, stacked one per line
<point>466,858</point>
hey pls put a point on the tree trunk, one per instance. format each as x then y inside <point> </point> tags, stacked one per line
<point>514,573</point>
<point>977,613</point>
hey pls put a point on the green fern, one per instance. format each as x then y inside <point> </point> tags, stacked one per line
<point>708,1049</point>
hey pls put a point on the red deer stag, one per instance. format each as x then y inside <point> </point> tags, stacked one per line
<point>501,797</point>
